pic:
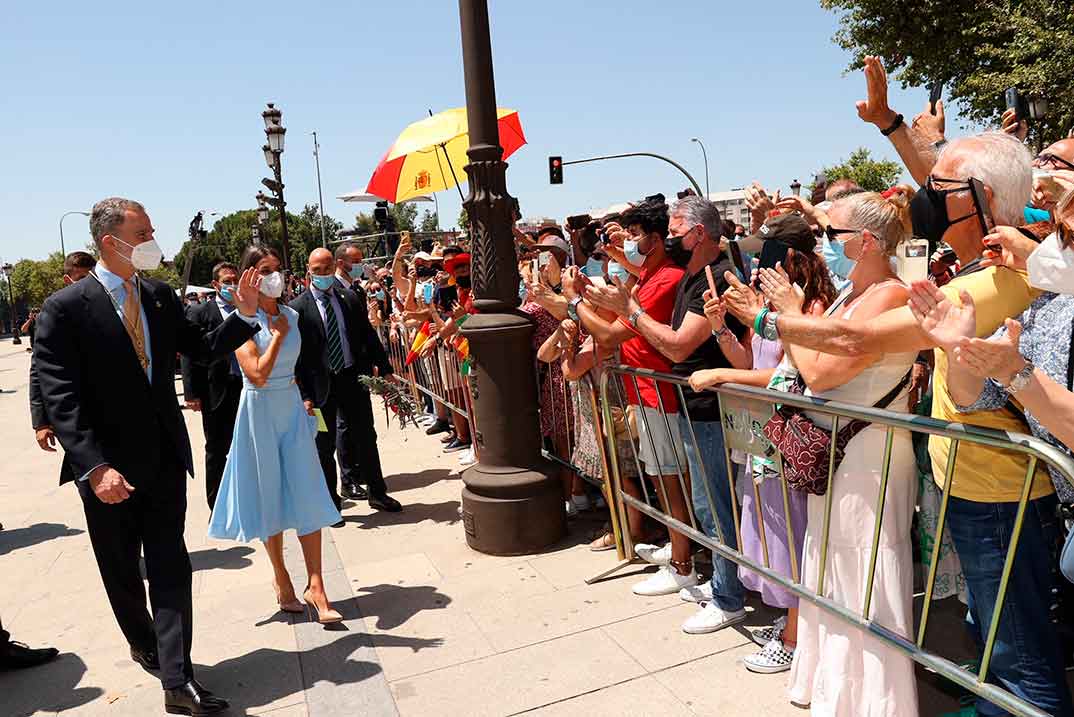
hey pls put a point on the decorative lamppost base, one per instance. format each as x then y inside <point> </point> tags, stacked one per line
<point>517,513</point>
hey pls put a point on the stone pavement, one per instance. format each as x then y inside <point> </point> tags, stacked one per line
<point>432,627</point>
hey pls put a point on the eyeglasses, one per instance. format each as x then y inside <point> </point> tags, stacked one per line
<point>833,234</point>
<point>1046,158</point>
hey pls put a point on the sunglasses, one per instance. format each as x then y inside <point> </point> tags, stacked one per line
<point>1046,158</point>
<point>833,234</point>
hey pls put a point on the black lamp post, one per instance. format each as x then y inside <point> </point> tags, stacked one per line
<point>511,504</point>
<point>273,151</point>
<point>8,269</point>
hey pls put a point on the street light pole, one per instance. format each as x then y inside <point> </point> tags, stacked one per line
<point>275,131</point>
<point>63,248</point>
<point>320,196</point>
<point>511,504</point>
<point>705,155</point>
<point>7,269</point>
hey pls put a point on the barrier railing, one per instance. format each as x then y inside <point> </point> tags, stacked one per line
<point>756,404</point>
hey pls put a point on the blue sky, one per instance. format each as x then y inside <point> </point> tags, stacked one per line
<point>161,102</point>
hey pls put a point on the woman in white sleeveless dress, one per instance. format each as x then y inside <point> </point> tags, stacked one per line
<point>839,670</point>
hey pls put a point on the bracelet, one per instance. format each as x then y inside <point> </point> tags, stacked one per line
<point>769,330</point>
<point>759,319</point>
<point>724,331</point>
<point>894,126</point>
<point>572,308</point>
<point>635,316</point>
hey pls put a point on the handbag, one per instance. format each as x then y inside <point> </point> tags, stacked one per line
<point>805,447</point>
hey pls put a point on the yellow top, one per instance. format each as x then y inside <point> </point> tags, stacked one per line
<point>982,473</point>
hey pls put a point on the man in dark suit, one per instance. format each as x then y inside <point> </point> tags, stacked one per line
<point>338,345</point>
<point>76,266</point>
<point>105,356</point>
<point>214,389</point>
<point>349,269</point>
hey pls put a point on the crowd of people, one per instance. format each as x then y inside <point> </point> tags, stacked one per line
<point>809,299</point>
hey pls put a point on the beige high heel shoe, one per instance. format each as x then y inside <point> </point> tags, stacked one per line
<point>291,606</point>
<point>330,616</point>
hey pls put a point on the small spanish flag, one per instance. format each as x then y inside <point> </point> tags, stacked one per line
<point>419,341</point>
<point>462,348</point>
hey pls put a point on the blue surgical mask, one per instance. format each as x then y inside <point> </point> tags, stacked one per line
<point>227,293</point>
<point>379,295</point>
<point>324,283</point>
<point>615,269</point>
<point>593,267</point>
<point>835,257</point>
<point>635,257</point>
<point>357,271</point>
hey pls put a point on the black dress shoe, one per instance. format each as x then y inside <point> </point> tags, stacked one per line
<point>385,502</point>
<point>192,699</point>
<point>16,656</point>
<point>355,492</point>
<point>146,658</point>
<point>440,426</point>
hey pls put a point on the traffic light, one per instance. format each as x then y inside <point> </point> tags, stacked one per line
<point>555,170</point>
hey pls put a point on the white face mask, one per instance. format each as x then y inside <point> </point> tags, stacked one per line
<point>145,256</point>
<point>1051,267</point>
<point>272,285</point>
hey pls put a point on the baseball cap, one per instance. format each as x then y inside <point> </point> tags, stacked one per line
<point>555,242</point>
<point>790,229</point>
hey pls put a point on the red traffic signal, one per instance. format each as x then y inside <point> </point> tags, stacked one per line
<point>555,170</point>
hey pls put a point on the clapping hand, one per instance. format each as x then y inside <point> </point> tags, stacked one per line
<point>785,297</point>
<point>569,329</point>
<point>741,300</point>
<point>944,322</point>
<point>875,109</point>
<point>247,291</point>
<point>616,297</point>
<point>758,201</point>
<point>1006,246</point>
<point>998,357</point>
<point>715,311</point>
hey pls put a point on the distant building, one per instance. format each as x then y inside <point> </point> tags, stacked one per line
<point>732,206</point>
<point>532,224</point>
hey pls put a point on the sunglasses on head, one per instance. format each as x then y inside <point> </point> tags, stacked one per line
<point>1056,162</point>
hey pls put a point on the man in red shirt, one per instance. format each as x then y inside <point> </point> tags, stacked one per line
<point>659,451</point>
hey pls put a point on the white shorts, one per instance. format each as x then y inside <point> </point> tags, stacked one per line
<point>653,434</point>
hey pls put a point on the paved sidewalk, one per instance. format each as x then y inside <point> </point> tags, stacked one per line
<point>432,627</point>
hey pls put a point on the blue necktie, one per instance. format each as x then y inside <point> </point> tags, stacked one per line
<point>234,362</point>
<point>335,345</point>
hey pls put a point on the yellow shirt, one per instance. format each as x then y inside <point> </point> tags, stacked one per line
<point>982,473</point>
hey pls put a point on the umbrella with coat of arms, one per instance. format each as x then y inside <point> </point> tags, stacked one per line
<point>429,154</point>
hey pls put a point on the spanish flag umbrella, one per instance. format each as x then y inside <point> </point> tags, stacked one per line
<point>429,155</point>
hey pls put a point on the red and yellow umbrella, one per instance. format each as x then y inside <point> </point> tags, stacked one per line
<point>427,153</point>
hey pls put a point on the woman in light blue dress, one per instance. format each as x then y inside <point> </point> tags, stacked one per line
<point>273,479</point>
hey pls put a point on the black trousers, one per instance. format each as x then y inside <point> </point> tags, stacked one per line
<point>219,426</point>
<point>350,411</point>
<point>150,522</point>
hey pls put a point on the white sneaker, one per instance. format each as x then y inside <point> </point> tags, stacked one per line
<point>665,581</point>
<point>571,509</point>
<point>711,618</point>
<point>766,634</point>
<point>655,554</point>
<point>467,457</point>
<point>581,502</point>
<point>697,593</point>
<point>773,657</point>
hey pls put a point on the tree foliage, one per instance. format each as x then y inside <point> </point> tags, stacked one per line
<point>429,221</point>
<point>405,216</point>
<point>873,175</point>
<point>463,220</point>
<point>231,234</point>
<point>978,48</point>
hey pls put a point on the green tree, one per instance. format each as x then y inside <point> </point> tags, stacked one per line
<point>430,222</point>
<point>873,175</point>
<point>978,49</point>
<point>34,280</point>
<point>405,216</point>
<point>463,220</point>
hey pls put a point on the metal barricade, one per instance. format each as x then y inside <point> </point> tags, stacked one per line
<point>759,403</point>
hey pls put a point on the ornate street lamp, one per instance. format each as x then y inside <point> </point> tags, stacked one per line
<point>511,504</point>
<point>270,158</point>
<point>7,269</point>
<point>262,208</point>
<point>796,187</point>
<point>273,152</point>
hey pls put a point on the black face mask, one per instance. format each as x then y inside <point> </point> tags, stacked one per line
<point>425,271</point>
<point>928,212</point>
<point>676,251</point>
<point>462,282</point>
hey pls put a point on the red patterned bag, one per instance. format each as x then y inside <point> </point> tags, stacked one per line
<point>805,447</point>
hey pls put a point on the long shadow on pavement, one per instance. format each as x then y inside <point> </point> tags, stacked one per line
<point>446,512</point>
<point>226,559</point>
<point>12,539</point>
<point>46,688</point>
<point>413,481</point>
<point>403,604</point>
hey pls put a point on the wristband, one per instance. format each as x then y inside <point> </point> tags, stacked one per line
<point>635,316</point>
<point>769,330</point>
<point>894,126</point>
<point>759,319</point>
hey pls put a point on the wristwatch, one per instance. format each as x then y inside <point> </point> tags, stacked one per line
<point>572,308</point>
<point>1021,379</point>
<point>635,316</point>
<point>724,331</point>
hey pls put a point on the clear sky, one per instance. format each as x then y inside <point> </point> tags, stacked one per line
<point>161,102</point>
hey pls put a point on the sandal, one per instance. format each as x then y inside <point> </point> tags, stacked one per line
<point>604,542</point>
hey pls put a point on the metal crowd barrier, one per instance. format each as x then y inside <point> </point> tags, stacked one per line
<point>759,404</point>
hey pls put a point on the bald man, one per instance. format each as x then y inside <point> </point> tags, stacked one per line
<point>339,345</point>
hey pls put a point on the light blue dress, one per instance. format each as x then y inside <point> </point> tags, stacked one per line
<point>273,479</point>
